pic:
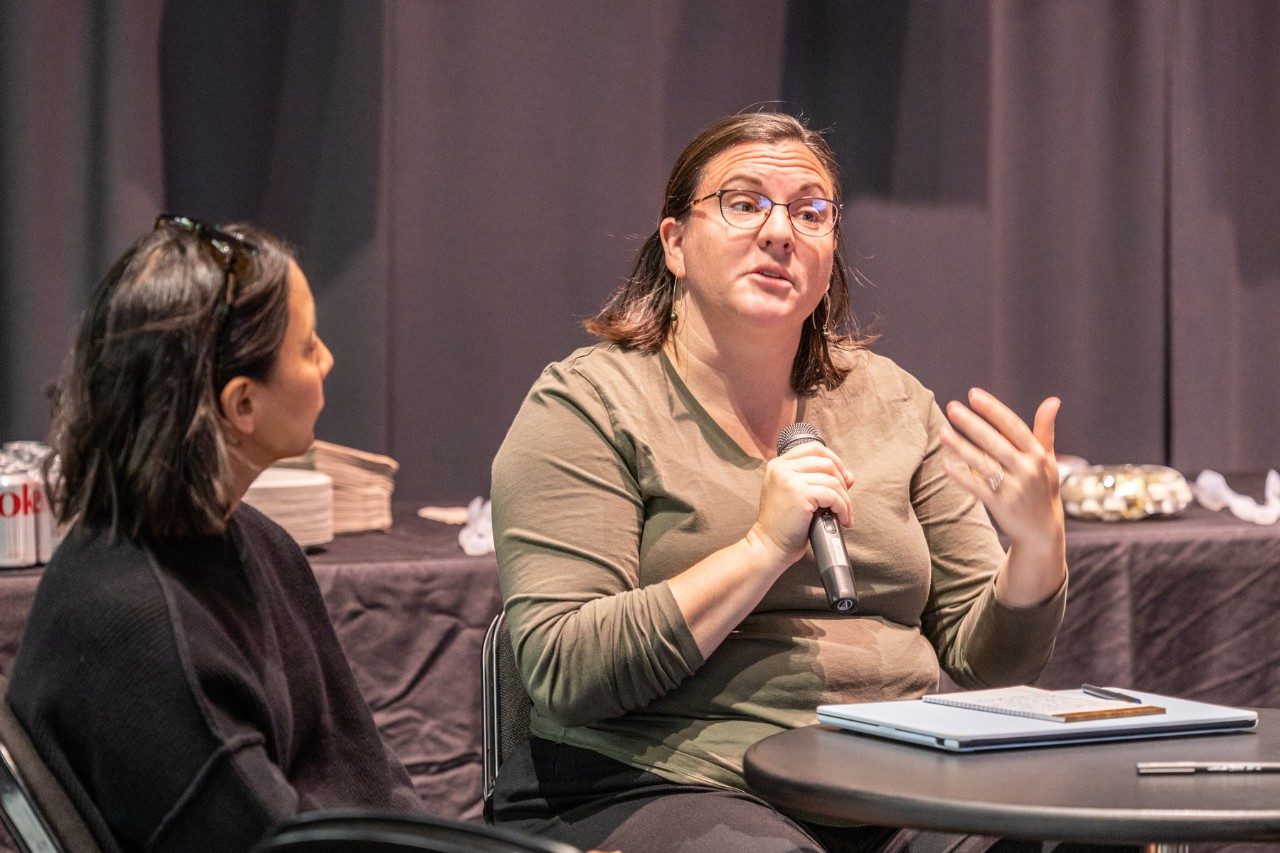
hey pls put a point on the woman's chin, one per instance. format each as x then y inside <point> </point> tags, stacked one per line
<point>772,315</point>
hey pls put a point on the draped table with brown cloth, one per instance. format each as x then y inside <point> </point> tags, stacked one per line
<point>1187,606</point>
<point>411,610</point>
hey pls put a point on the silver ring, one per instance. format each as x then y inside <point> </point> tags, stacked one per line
<point>994,481</point>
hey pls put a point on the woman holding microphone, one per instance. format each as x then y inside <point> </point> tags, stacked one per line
<point>665,609</point>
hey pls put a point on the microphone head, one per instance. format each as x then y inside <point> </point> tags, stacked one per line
<point>798,433</point>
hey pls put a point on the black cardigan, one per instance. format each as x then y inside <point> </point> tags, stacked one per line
<point>191,694</point>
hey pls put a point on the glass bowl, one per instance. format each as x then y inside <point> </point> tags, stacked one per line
<point>1124,492</point>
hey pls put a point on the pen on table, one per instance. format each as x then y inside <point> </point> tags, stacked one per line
<point>1163,768</point>
<point>1104,693</point>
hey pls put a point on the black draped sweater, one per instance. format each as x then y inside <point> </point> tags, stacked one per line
<point>191,694</point>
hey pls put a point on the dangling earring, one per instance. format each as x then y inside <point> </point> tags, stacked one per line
<point>675,294</point>
<point>826,316</point>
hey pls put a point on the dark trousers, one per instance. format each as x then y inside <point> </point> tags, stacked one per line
<point>593,802</point>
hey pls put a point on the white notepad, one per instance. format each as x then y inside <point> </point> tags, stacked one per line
<point>965,730</point>
<point>1059,706</point>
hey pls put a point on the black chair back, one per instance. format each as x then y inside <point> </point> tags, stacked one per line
<point>362,831</point>
<point>505,703</point>
<point>33,806</point>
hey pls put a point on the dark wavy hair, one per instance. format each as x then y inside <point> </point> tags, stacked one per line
<point>638,315</point>
<point>137,431</point>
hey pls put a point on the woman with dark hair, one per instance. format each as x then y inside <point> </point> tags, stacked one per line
<point>179,673</point>
<point>664,607</point>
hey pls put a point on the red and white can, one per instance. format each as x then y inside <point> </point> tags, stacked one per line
<point>30,452</point>
<point>31,455</point>
<point>49,533</point>
<point>19,498</point>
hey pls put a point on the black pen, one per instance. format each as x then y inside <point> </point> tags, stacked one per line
<point>1164,768</point>
<point>1104,693</point>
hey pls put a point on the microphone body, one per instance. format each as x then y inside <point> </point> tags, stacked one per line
<point>824,534</point>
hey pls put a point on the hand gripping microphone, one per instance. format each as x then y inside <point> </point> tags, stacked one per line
<point>824,534</point>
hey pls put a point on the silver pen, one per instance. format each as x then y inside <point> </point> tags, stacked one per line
<point>1169,768</point>
<point>1104,693</point>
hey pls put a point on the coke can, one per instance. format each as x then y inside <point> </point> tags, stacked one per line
<point>48,532</point>
<point>17,517</point>
<point>31,455</point>
<point>30,452</point>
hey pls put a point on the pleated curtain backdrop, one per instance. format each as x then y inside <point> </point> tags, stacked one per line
<point>1077,199</point>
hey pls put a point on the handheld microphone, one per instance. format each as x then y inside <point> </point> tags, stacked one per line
<point>824,534</point>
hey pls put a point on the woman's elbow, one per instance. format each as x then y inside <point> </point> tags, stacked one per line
<point>569,707</point>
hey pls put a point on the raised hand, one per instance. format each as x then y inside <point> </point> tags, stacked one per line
<point>1012,470</point>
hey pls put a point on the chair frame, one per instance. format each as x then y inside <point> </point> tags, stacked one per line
<point>19,812</point>
<point>372,829</point>
<point>34,806</point>
<point>502,710</point>
<point>491,731</point>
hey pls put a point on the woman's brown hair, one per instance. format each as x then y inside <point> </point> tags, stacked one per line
<point>137,433</point>
<point>638,315</point>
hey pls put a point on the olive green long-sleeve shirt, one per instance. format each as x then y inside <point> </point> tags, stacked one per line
<point>613,479</point>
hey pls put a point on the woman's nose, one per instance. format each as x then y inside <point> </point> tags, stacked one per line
<point>326,360</point>
<point>776,228</point>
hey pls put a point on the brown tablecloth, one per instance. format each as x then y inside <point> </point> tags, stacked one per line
<point>411,610</point>
<point>1188,606</point>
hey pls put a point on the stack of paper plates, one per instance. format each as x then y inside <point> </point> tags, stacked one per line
<point>299,501</point>
<point>362,485</point>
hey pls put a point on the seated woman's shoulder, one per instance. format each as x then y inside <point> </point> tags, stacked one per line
<point>605,356</point>
<point>603,365</point>
<point>95,578</point>
<point>98,603</point>
<point>878,373</point>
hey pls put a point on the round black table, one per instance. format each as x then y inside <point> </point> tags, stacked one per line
<point>1084,792</point>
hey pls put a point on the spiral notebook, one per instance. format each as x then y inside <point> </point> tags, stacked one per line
<point>1054,705</point>
<point>955,729</point>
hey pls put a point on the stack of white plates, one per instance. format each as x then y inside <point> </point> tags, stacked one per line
<point>299,501</point>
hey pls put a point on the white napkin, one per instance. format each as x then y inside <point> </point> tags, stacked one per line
<point>476,536</point>
<point>1212,491</point>
<point>444,514</point>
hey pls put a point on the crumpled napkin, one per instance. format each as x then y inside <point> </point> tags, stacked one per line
<point>476,536</point>
<point>1212,491</point>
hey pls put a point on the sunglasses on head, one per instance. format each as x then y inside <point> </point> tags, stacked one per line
<point>229,247</point>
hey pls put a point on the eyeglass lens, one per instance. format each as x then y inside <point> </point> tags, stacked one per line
<point>748,209</point>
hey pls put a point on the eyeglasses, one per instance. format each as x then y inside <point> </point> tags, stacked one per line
<point>748,209</point>
<point>230,248</point>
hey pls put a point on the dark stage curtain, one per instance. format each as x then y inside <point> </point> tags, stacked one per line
<point>1043,197</point>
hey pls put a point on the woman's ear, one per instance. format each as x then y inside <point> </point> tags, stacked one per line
<point>671,232</point>
<point>238,405</point>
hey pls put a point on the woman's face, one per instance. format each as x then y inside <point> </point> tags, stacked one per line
<point>772,276</point>
<point>293,394</point>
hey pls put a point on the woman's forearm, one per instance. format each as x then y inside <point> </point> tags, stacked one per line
<point>1034,571</point>
<point>718,592</point>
